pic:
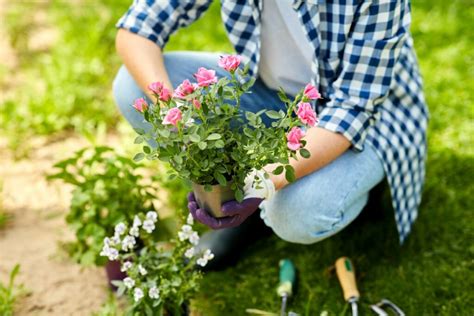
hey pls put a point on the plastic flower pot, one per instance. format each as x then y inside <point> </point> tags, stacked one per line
<point>112,268</point>
<point>211,201</point>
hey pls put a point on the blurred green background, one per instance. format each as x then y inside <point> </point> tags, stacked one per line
<point>60,85</point>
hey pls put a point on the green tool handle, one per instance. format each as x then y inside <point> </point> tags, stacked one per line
<point>287,278</point>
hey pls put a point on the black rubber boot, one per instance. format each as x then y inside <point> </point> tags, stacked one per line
<point>228,244</point>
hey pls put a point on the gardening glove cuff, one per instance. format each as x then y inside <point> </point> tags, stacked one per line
<point>257,186</point>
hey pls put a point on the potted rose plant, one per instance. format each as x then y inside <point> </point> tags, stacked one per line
<point>203,134</point>
<point>161,278</point>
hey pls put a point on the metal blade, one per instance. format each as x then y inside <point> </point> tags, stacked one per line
<point>355,311</point>
<point>284,298</point>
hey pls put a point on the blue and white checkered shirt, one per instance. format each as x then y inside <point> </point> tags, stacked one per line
<point>364,64</point>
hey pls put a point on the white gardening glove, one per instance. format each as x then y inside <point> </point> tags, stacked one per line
<point>257,186</point>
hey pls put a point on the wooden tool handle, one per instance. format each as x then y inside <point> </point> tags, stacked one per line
<point>346,275</point>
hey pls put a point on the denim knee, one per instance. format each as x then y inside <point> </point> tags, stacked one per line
<point>297,223</point>
<point>306,219</point>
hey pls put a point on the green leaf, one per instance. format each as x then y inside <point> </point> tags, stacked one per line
<point>305,153</point>
<point>164,132</point>
<point>148,310</point>
<point>278,170</point>
<point>239,195</point>
<point>246,86</point>
<point>273,114</point>
<point>220,178</point>
<point>202,145</point>
<point>138,140</point>
<point>138,157</point>
<point>248,132</point>
<point>290,173</point>
<point>139,131</point>
<point>178,159</point>
<point>195,138</point>
<point>219,144</point>
<point>282,96</point>
<point>214,136</point>
<point>250,115</point>
<point>13,275</point>
<point>146,149</point>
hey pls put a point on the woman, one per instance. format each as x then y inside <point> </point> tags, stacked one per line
<point>372,117</point>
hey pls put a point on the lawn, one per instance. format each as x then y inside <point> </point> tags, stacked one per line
<point>431,274</point>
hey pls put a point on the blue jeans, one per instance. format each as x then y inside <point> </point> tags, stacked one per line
<point>307,211</point>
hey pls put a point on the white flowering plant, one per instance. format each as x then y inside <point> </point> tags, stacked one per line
<point>160,277</point>
<point>107,189</point>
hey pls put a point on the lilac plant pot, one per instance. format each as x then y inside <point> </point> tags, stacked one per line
<point>112,268</point>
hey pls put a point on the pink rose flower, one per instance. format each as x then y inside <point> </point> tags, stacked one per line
<point>161,92</point>
<point>205,77</point>
<point>311,92</point>
<point>165,95</point>
<point>229,62</point>
<point>197,104</point>
<point>306,114</point>
<point>294,138</point>
<point>184,89</point>
<point>172,117</point>
<point>140,105</point>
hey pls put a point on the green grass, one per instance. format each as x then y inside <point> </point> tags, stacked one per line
<point>9,293</point>
<point>430,275</point>
<point>68,88</point>
<point>5,217</point>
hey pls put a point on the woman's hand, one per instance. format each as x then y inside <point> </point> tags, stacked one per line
<point>324,146</point>
<point>256,189</point>
<point>236,213</point>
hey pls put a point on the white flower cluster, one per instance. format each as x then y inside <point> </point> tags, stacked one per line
<point>154,292</point>
<point>126,266</point>
<point>208,255</point>
<point>111,245</point>
<point>138,294</point>
<point>126,242</point>
<point>108,250</point>
<point>187,233</point>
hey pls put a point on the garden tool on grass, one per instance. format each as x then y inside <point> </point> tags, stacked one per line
<point>346,275</point>
<point>287,282</point>
<point>379,308</point>
<point>284,289</point>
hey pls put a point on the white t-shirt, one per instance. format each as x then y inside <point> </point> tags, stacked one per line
<point>285,53</point>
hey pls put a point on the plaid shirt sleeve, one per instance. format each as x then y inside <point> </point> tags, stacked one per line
<point>372,49</point>
<point>156,20</point>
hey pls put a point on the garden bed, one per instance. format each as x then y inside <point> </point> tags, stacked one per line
<point>54,284</point>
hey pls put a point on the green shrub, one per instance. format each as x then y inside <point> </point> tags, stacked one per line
<point>108,189</point>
